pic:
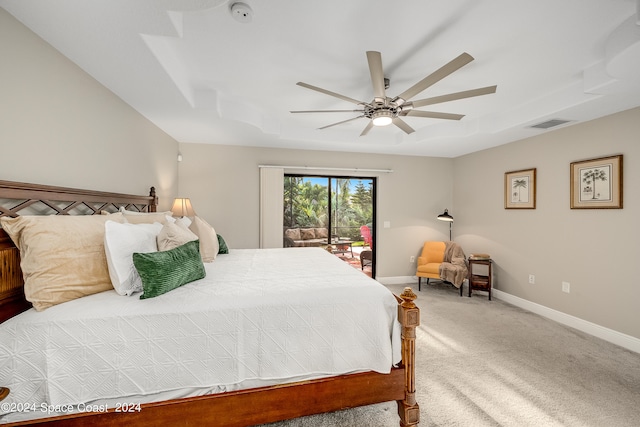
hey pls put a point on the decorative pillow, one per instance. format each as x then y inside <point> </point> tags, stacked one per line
<point>224,249</point>
<point>173,235</point>
<point>184,221</point>
<point>307,233</point>
<point>145,217</point>
<point>120,242</point>
<point>62,256</point>
<point>164,271</point>
<point>292,233</point>
<point>208,238</point>
<point>321,233</point>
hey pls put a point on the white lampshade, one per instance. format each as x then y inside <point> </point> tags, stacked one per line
<point>182,207</point>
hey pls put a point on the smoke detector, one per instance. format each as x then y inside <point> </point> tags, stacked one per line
<point>241,12</point>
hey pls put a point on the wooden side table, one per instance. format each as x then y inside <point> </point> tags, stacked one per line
<point>480,282</point>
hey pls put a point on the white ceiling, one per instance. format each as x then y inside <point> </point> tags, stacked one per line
<point>204,77</point>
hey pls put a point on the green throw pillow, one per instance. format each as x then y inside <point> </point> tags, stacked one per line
<point>223,245</point>
<point>164,271</point>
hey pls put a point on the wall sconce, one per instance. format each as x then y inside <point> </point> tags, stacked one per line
<point>446,217</point>
<point>182,207</point>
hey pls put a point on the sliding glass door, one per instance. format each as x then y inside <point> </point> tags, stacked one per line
<point>330,211</point>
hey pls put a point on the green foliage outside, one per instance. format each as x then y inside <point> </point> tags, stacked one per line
<point>306,205</point>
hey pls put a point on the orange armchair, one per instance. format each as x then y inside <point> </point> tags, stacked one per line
<point>442,260</point>
<point>430,260</point>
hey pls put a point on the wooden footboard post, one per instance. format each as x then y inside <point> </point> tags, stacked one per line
<point>409,317</point>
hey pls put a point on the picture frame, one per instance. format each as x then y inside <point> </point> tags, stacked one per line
<point>520,189</point>
<point>597,183</point>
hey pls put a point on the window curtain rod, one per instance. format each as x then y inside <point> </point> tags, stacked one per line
<point>327,168</point>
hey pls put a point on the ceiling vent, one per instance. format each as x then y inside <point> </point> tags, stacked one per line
<point>549,124</point>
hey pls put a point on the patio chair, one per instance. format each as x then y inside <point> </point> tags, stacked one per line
<point>366,235</point>
<point>366,256</point>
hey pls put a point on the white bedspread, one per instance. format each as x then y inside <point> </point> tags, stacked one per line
<point>260,315</point>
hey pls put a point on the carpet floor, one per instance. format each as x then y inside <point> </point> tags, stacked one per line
<point>488,363</point>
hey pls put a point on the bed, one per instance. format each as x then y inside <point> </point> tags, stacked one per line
<point>293,375</point>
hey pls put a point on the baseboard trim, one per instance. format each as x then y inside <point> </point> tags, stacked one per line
<point>615,337</point>
<point>397,280</point>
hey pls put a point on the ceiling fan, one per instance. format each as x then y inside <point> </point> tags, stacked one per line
<point>383,110</point>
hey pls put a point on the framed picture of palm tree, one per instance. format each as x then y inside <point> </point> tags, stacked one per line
<point>520,189</point>
<point>597,183</point>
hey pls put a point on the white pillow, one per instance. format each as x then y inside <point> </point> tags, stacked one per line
<point>144,217</point>
<point>120,242</point>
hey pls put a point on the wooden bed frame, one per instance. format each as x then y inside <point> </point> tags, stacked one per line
<point>230,409</point>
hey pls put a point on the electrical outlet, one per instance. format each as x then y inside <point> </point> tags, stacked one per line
<point>532,279</point>
<point>566,287</point>
<point>412,259</point>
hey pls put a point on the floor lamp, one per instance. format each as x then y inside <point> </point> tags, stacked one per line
<point>446,217</point>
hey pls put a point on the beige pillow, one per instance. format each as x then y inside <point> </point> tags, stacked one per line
<point>173,235</point>
<point>321,233</point>
<point>62,257</point>
<point>145,217</point>
<point>307,233</point>
<point>292,233</point>
<point>209,245</point>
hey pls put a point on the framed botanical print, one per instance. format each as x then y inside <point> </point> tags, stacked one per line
<point>520,189</point>
<point>597,183</point>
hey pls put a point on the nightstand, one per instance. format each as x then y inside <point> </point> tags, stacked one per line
<point>482,281</point>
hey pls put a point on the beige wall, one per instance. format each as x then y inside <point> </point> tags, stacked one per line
<point>594,250</point>
<point>61,127</point>
<point>223,184</point>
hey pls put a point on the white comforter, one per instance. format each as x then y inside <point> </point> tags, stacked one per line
<point>260,316</point>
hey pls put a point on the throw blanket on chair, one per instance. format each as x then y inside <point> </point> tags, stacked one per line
<point>454,266</point>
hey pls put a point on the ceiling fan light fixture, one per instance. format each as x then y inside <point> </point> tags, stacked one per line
<point>382,118</point>
<point>384,111</point>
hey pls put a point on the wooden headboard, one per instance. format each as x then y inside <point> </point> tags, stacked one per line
<point>16,197</point>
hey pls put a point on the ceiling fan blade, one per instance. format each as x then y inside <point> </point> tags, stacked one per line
<point>433,115</point>
<point>339,123</point>
<point>436,76</point>
<point>328,92</point>
<point>327,111</point>
<point>367,129</point>
<point>403,125</point>
<point>453,96</point>
<point>377,73</point>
